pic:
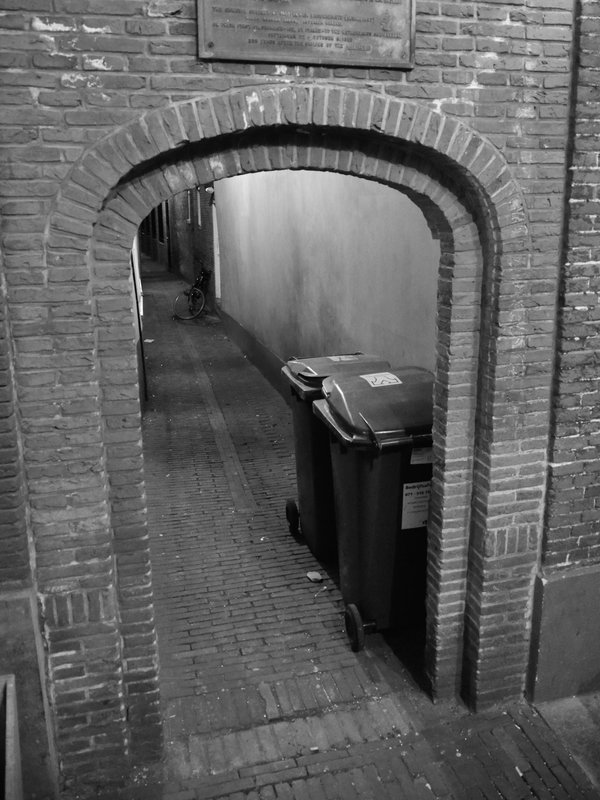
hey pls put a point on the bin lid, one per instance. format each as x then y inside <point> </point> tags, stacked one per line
<point>313,371</point>
<point>387,406</point>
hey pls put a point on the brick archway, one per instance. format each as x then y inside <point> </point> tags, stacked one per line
<point>465,190</point>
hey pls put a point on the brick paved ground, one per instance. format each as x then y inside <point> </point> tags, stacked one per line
<point>263,698</point>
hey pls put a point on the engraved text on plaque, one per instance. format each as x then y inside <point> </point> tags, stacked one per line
<point>364,33</point>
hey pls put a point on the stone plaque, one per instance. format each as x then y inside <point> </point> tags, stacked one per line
<point>366,33</point>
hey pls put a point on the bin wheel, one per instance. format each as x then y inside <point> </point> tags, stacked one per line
<point>354,627</point>
<point>293,517</point>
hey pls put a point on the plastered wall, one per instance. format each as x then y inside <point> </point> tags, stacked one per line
<point>317,262</point>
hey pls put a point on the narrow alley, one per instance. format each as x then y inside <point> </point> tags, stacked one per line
<point>262,695</point>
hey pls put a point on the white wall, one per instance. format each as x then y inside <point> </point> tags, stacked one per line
<point>315,263</point>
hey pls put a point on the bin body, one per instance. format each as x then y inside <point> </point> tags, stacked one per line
<point>381,453</point>
<point>311,441</point>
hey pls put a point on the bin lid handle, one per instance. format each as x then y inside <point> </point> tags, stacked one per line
<point>392,438</point>
<point>383,439</point>
<point>371,432</point>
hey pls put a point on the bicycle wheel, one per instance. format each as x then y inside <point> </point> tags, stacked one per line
<point>189,304</point>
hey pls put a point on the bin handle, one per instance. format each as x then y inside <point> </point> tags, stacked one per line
<point>385,439</point>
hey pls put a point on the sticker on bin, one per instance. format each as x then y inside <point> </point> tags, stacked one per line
<point>377,379</point>
<point>343,358</point>
<point>421,455</point>
<point>415,504</point>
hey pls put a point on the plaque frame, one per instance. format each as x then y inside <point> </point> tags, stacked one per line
<point>220,39</point>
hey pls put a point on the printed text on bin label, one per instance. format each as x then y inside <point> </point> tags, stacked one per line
<point>415,504</point>
<point>421,455</point>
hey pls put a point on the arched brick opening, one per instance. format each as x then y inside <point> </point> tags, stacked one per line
<point>465,190</point>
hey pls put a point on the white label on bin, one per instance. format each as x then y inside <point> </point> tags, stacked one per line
<point>415,504</point>
<point>377,379</point>
<point>421,455</point>
<point>343,358</point>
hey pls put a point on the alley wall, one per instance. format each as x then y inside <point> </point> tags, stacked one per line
<point>315,263</point>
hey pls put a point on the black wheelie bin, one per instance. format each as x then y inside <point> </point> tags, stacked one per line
<point>313,515</point>
<point>381,452</point>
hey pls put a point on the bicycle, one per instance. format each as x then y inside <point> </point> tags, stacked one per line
<point>190,303</point>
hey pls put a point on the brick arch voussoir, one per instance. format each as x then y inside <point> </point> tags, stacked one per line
<point>121,217</point>
<point>164,130</point>
<point>113,229</point>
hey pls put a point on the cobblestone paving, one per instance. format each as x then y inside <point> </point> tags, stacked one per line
<point>263,698</point>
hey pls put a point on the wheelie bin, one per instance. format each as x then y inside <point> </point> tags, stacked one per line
<point>313,515</point>
<point>381,453</point>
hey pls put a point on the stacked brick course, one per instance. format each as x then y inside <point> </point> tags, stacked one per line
<point>14,568</point>
<point>573,492</point>
<point>98,96</point>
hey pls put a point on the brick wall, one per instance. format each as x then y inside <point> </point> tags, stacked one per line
<point>563,658</point>
<point>96,94</point>
<point>190,244</point>
<point>574,487</point>
<point>14,565</point>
